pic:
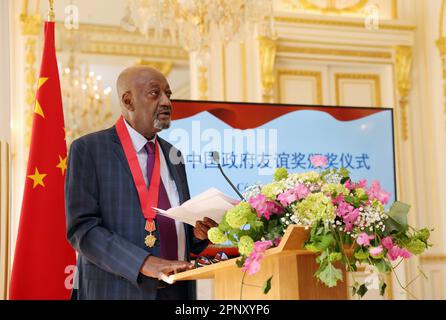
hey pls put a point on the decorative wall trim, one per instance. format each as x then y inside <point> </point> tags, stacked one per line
<point>433,258</point>
<point>403,72</point>
<point>268,50</point>
<point>342,23</point>
<point>5,196</point>
<point>441,45</point>
<point>334,52</point>
<point>244,72</point>
<point>330,7</point>
<point>316,75</point>
<point>112,40</point>
<point>165,67</point>
<point>359,77</point>
<point>395,9</point>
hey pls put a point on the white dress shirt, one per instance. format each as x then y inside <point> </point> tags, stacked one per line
<point>139,141</point>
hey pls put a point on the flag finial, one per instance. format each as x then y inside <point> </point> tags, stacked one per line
<point>51,15</point>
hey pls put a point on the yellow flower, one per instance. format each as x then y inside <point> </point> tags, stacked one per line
<point>335,189</point>
<point>216,236</point>
<point>245,246</point>
<point>238,216</point>
<point>314,208</point>
<point>272,190</point>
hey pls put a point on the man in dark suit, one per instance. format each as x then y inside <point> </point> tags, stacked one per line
<point>105,221</point>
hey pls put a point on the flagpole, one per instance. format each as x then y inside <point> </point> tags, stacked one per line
<point>51,15</point>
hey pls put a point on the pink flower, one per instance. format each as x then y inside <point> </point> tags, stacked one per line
<point>252,263</point>
<point>350,219</point>
<point>287,197</point>
<point>257,201</point>
<point>363,239</point>
<point>375,192</point>
<point>301,191</point>
<point>351,186</point>
<point>262,246</point>
<point>291,195</point>
<point>387,242</point>
<point>339,199</point>
<point>318,161</point>
<point>264,207</point>
<point>347,212</point>
<point>404,253</point>
<point>376,251</point>
<point>395,252</point>
<point>277,241</point>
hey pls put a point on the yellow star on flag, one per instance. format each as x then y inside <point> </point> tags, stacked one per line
<point>38,109</point>
<point>62,164</point>
<point>37,177</point>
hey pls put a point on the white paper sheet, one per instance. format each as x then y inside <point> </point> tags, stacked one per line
<point>212,204</point>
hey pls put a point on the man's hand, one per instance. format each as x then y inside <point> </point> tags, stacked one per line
<point>202,227</point>
<point>158,268</point>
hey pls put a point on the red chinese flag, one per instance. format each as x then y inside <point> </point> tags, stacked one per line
<point>42,252</point>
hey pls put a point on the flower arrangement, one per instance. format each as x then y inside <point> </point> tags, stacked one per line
<point>341,214</point>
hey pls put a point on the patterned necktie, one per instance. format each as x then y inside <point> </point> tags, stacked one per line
<point>166,226</point>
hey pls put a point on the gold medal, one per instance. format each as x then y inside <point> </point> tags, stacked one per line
<point>150,240</point>
<point>150,225</point>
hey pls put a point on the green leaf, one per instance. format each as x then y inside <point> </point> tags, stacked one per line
<point>423,234</point>
<point>322,257</point>
<point>383,266</point>
<point>344,173</point>
<point>335,256</point>
<point>352,200</point>
<point>382,288</point>
<point>361,254</point>
<point>330,276</point>
<point>311,247</point>
<point>240,262</point>
<point>416,246</point>
<point>223,225</point>
<point>398,217</point>
<point>267,285</point>
<point>362,290</point>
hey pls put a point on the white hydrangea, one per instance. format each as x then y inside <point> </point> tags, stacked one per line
<point>301,178</point>
<point>252,191</point>
<point>333,178</point>
<point>371,216</point>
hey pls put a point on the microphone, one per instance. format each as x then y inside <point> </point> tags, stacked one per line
<point>216,157</point>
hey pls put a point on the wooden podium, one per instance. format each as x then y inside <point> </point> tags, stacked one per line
<point>291,266</point>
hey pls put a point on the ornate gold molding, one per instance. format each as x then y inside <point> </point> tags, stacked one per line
<point>334,52</point>
<point>341,23</point>
<point>359,76</point>
<point>441,45</point>
<point>395,9</point>
<point>316,75</point>
<point>165,67</point>
<point>433,258</point>
<point>330,7</point>
<point>403,70</point>
<point>112,40</point>
<point>203,82</point>
<point>4,217</point>
<point>223,71</point>
<point>244,72</point>
<point>268,49</point>
<point>31,23</point>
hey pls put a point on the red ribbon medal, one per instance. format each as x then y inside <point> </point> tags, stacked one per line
<point>148,198</point>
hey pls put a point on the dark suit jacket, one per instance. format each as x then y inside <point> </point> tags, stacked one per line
<point>105,223</point>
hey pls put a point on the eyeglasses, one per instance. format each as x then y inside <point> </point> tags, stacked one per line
<point>202,261</point>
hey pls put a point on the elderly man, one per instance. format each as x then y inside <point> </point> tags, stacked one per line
<point>114,178</point>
